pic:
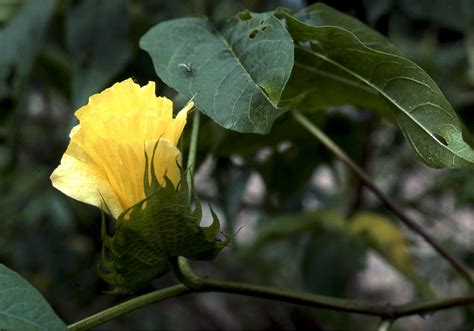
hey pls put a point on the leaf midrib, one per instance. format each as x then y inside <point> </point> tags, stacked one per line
<point>231,50</point>
<point>342,80</point>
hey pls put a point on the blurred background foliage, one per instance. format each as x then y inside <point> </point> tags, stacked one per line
<point>301,220</point>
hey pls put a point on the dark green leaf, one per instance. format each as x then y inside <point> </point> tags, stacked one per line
<point>235,76</point>
<point>423,113</point>
<point>319,88</point>
<point>22,307</point>
<point>97,37</point>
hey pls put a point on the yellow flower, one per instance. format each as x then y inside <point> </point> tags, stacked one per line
<point>105,159</point>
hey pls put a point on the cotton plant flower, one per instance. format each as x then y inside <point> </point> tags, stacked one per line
<point>123,158</point>
<point>105,160</point>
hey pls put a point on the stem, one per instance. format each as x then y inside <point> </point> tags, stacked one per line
<point>192,150</point>
<point>430,306</point>
<point>386,312</point>
<point>324,302</point>
<point>389,313</point>
<point>129,306</point>
<point>185,274</point>
<point>357,200</point>
<point>457,264</point>
<point>305,299</point>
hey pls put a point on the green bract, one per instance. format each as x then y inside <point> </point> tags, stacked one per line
<point>147,235</point>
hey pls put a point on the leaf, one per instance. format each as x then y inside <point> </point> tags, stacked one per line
<point>21,40</point>
<point>322,15</point>
<point>148,234</point>
<point>97,37</point>
<point>390,242</point>
<point>236,76</point>
<point>423,113</point>
<point>22,307</point>
<point>320,88</point>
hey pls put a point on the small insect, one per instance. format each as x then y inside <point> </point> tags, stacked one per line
<point>186,67</point>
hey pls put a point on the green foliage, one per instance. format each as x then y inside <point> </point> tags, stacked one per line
<point>424,115</point>
<point>338,60</point>
<point>330,87</point>
<point>148,234</point>
<point>293,232</point>
<point>235,76</point>
<point>323,15</point>
<point>22,307</point>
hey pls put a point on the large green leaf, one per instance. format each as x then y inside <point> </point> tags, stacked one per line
<point>97,37</point>
<point>423,113</point>
<point>236,76</point>
<point>22,307</point>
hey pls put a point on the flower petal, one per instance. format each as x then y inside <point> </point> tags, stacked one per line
<point>107,149</point>
<point>78,177</point>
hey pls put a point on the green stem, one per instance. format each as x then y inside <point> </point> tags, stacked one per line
<point>192,150</point>
<point>428,307</point>
<point>387,312</point>
<point>185,274</point>
<point>129,306</point>
<point>457,264</point>
<point>305,299</point>
<point>336,304</point>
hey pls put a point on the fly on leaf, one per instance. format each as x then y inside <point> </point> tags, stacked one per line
<point>186,67</point>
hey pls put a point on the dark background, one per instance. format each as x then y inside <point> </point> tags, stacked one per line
<point>51,60</point>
